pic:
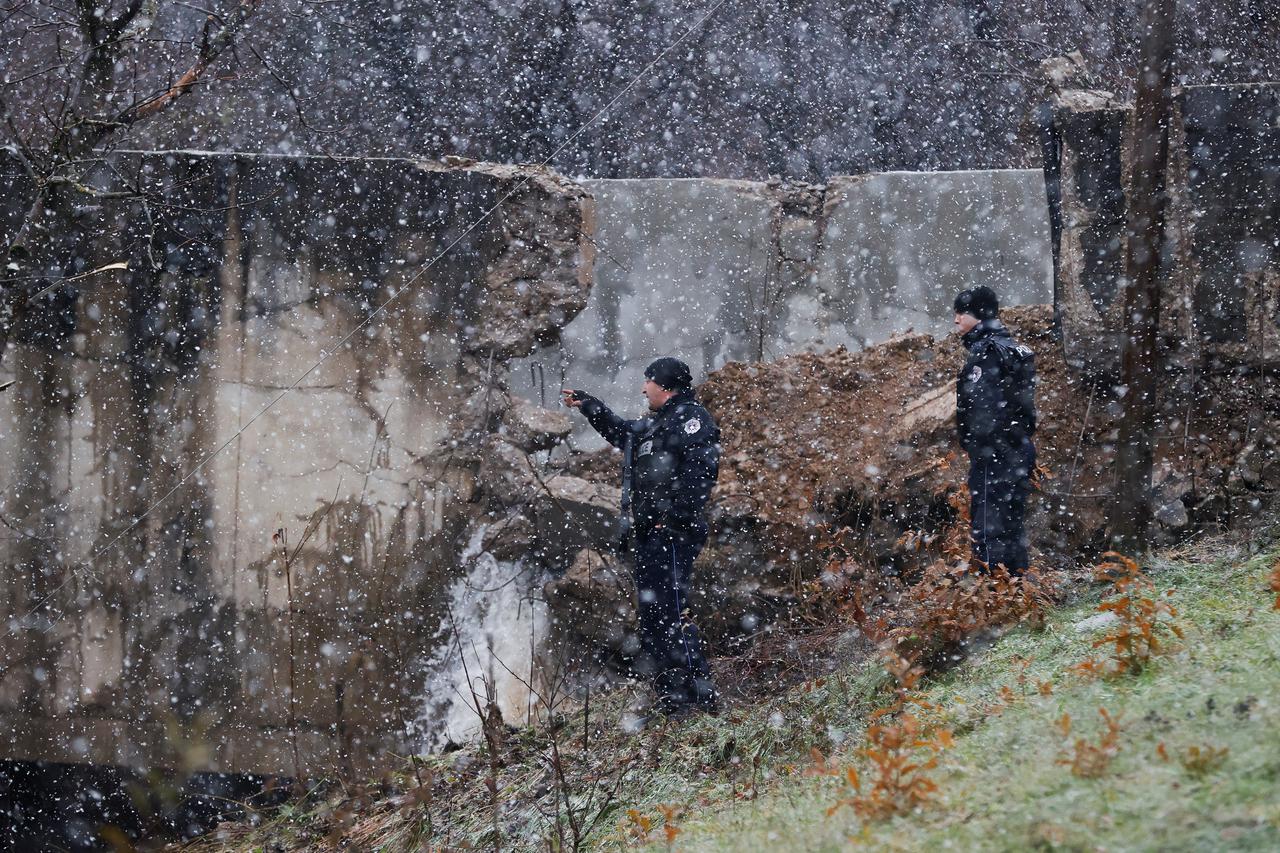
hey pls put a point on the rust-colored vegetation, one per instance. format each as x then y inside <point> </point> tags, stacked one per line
<point>1090,759</point>
<point>638,829</point>
<point>954,599</point>
<point>1144,623</point>
<point>899,752</point>
<point>1200,760</point>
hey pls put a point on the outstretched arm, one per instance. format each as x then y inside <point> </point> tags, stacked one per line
<point>602,419</point>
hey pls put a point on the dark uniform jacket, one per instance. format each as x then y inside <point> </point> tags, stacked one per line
<point>995,394</point>
<point>675,461</point>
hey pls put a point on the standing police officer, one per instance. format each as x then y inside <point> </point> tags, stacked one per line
<point>673,457</point>
<point>995,418</point>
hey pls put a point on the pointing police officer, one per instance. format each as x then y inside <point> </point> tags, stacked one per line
<point>995,419</point>
<point>673,457</point>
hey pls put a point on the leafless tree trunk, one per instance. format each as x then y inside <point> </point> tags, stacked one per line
<point>1146,230</point>
<point>58,118</point>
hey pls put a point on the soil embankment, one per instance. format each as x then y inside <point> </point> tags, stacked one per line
<point>861,445</point>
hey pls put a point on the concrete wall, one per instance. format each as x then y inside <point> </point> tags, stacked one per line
<point>714,271</point>
<point>193,631</point>
<point>1221,268</point>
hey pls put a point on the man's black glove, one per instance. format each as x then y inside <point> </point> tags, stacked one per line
<point>580,400</point>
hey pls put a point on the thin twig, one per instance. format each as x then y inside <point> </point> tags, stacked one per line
<point>1084,425</point>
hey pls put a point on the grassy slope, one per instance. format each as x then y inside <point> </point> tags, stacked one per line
<point>1001,786</point>
<point>741,784</point>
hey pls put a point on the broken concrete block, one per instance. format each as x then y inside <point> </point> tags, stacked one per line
<point>479,413</point>
<point>1065,71</point>
<point>511,538</point>
<point>571,513</point>
<point>532,427</point>
<point>506,474</point>
<point>930,412</point>
<point>595,598</point>
<point>541,278</point>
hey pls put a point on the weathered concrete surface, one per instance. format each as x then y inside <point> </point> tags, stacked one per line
<point>716,271</point>
<point>1232,181</point>
<point>681,268</point>
<point>1221,265</point>
<point>1086,160</point>
<point>244,272</point>
<point>899,246</point>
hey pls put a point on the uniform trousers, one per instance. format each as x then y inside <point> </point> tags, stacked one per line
<point>999,485</point>
<point>670,645</point>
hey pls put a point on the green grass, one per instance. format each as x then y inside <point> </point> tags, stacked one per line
<point>1002,787</point>
<point>740,779</point>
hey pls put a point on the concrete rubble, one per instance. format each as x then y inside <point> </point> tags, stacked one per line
<point>594,603</point>
<point>532,428</point>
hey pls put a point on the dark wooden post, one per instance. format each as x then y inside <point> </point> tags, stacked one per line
<point>1148,197</point>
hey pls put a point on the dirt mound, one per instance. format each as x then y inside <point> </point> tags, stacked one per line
<point>865,440</point>
<point>837,437</point>
<point>861,446</point>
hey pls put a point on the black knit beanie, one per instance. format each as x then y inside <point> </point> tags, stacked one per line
<point>671,373</point>
<point>979,301</point>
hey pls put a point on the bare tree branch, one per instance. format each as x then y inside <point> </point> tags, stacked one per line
<point>212,44</point>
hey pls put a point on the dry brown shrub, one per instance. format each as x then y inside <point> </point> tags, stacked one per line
<point>900,752</point>
<point>1089,759</point>
<point>637,828</point>
<point>1143,622</point>
<point>1203,760</point>
<point>958,597</point>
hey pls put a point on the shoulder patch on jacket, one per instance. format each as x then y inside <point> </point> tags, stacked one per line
<point>975,374</point>
<point>692,425</point>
